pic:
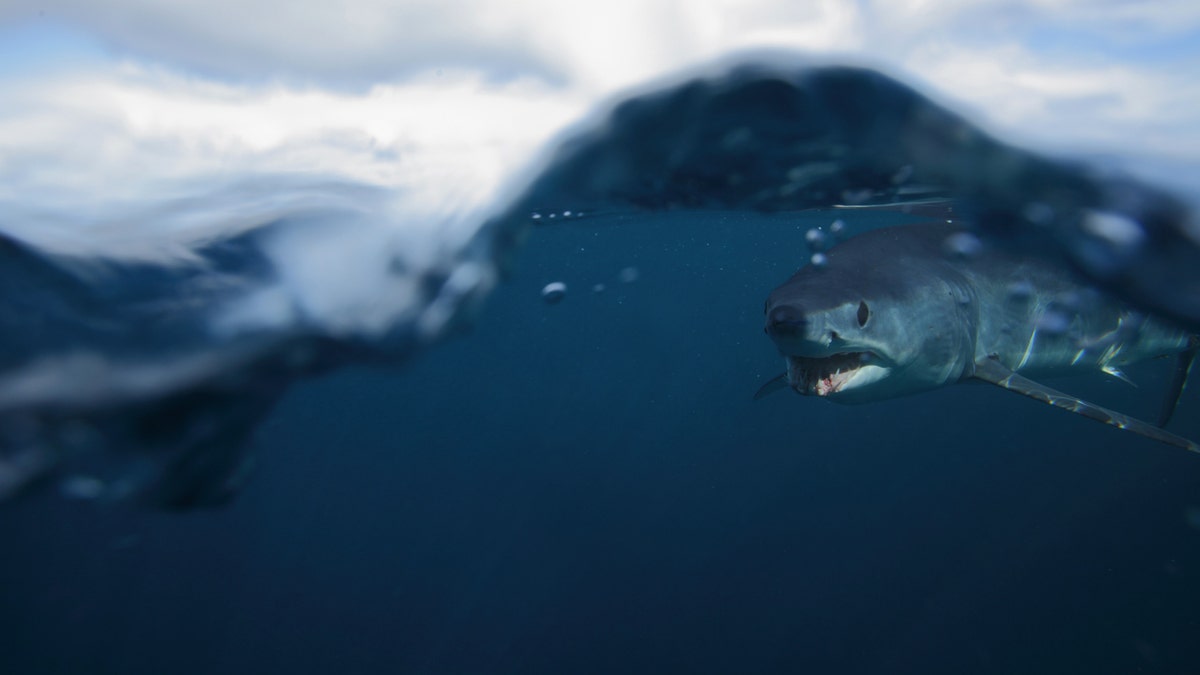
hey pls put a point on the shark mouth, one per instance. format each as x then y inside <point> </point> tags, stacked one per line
<point>826,375</point>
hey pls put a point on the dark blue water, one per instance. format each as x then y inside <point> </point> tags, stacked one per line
<point>588,487</point>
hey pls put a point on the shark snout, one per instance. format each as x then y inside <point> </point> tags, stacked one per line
<point>785,320</point>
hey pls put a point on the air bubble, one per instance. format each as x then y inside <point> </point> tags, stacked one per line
<point>1116,229</point>
<point>554,292</point>
<point>964,245</point>
<point>1053,322</point>
<point>1039,213</point>
<point>819,260</point>
<point>856,197</point>
<point>837,228</point>
<point>1020,291</point>
<point>629,275</point>
<point>1070,301</point>
<point>817,240</point>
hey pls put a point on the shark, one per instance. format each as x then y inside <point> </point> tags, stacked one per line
<point>905,309</point>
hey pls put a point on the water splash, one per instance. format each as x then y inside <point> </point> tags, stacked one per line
<point>148,376</point>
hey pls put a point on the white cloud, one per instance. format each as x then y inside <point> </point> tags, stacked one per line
<point>345,43</point>
<point>447,100</point>
<point>1141,118</point>
<point>614,43</point>
<point>94,151</point>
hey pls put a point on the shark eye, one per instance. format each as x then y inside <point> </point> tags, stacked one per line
<point>864,313</point>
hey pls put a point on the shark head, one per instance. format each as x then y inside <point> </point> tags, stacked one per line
<point>904,309</point>
<point>879,319</point>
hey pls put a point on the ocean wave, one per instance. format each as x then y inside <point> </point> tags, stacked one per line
<point>146,376</point>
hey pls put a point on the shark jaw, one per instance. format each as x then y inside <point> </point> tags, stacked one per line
<point>830,375</point>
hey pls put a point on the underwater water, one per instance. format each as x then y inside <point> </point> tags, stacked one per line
<point>471,479</point>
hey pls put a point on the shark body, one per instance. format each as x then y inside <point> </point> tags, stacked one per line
<point>905,309</point>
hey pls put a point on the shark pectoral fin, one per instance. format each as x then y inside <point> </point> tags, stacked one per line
<point>1119,374</point>
<point>992,371</point>
<point>773,385</point>
<point>1183,366</point>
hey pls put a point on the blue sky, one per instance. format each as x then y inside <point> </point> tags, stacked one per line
<point>42,46</point>
<point>109,106</point>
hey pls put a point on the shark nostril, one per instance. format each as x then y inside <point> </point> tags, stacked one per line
<point>785,319</point>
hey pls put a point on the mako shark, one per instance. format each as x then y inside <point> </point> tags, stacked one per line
<point>905,309</point>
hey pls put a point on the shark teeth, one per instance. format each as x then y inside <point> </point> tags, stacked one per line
<point>825,375</point>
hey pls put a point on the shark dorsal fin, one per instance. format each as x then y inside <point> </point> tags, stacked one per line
<point>773,385</point>
<point>1183,366</point>
<point>992,371</point>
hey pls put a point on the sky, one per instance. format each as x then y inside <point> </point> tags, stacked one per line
<point>113,109</point>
